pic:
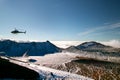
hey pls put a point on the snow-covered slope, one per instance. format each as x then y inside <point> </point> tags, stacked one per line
<point>12,48</point>
<point>11,70</point>
<point>68,62</point>
<point>50,74</point>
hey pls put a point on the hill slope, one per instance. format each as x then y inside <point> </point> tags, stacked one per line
<point>91,45</point>
<point>14,71</point>
<point>12,48</point>
<point>94,47</point>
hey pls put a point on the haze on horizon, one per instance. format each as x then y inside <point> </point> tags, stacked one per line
<point>59,20</point>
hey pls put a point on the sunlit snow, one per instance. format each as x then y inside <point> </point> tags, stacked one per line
<point>48,73</point>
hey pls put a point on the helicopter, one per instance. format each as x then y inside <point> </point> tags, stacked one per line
<point>17,31</point>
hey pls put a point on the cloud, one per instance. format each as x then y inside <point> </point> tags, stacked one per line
<point>65,44</point>
<point>113,26</point>
<point>100,28</point>
<point>113,43</point>
<point>90,31</point>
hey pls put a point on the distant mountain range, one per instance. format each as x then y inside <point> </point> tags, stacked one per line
<point>12,48</point>
<point>89,46</point>
<point>91,57</point>
<point>94,47</point>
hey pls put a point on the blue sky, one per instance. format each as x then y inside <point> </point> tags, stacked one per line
<point>83,20</point>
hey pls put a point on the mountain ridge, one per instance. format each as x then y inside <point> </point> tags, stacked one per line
<point>91,44</point>
<point>12,48</point>
<point>94,48</point>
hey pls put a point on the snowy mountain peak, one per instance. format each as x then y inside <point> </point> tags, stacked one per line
<point>91,44</point>
<point>88,44</point>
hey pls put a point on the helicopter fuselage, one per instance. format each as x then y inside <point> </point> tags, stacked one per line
<point>16,32</point>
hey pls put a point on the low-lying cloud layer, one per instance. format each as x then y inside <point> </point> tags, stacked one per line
<point>65,44</point>
<point>113,43</point>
